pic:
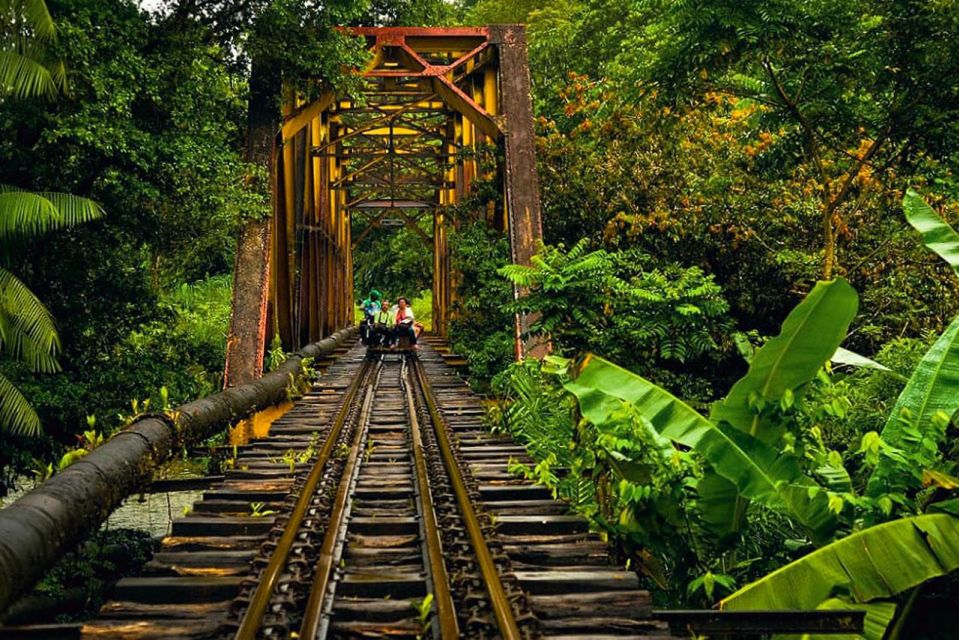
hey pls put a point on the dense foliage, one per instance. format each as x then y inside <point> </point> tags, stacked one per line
<point>393,260</point>
<point>149,130</point>
<point>480,325</point>
<point>710,501</point>
<point>27,331</point>
<point>660,128</point>
<point>713,173</point>
<point>152,129</point>
<point>756,149</point>
<point>76,587</point>
<point>666,321</point>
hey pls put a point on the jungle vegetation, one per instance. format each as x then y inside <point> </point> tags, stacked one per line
<point>747,277</point>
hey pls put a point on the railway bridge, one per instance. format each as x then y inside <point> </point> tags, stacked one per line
<point>378,504</point>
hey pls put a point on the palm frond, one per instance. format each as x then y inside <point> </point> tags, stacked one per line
<point>17,344</point>
<point>16,414</point>
<point>25,77</point>
<point>73,209</point>
<point>34,15</point>
<point>27,330</point>
<point>24,213</point>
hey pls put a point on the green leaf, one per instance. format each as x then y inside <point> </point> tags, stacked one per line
<point>950,506</point>
<point>27,330</point>
<point>933,387</point>
<point>24,77</point>
<point>719,506</point>
<point>835,476</point>
<point>631,470</point>
<point>16,414</point>
<point>33,14</point>
<point>24,213</point>
<point>853,359</point>
<point>25,71</point>
<point>878,616</point>
<point>70,457</point>
<point>937,235</point>
<point>758,471</point>
<point>809,337</point>
<point>922,547</point>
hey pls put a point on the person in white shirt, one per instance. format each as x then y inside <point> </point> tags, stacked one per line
<point>405,325</point>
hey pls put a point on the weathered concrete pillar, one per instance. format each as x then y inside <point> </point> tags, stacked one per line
<point>522,181</point>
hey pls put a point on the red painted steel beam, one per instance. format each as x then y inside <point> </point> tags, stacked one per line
<point>395,33</point>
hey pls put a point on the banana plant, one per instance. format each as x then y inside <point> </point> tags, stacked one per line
<point>738,441</point>
<point>858,572</point>
<point>936,233</point>
<point>809,337</point>
<point>918,421</point>
<point>755,470</point>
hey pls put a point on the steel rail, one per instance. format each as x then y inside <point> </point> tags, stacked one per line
<point>443,599</point>
<point>253,616</point>
<point>502,610</point>
<point>313,614</point>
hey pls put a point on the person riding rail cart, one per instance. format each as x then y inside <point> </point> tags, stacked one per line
<point>383,334</point>
<point>406,327</point>
<point>370,307</point>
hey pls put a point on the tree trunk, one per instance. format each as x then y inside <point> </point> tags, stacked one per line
<point>246,341</point>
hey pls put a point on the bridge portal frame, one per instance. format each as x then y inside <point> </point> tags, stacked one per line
<point>475,80</point>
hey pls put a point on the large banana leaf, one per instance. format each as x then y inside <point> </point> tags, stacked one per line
<point>721,509</point>
<point>878,616</point>
<point>937,235</point>
<point>911,427</point>
<point>809,337</point>
<point>871,565</point>
<point>758,471</point>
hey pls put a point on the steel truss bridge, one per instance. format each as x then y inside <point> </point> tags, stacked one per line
<point>406,150</point>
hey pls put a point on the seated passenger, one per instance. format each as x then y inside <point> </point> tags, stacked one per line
<point>372,303</point>
<point>383,326</point>
<point>369,306</point>
<point>405,322</point>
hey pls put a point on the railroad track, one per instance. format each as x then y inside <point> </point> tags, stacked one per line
<point>379,506</point>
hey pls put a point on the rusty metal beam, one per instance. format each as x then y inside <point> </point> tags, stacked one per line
<point>464,105</point>
<point>301,117</point>
<point>369,125</point>
<point>370,165</point>
<point>432,93</point>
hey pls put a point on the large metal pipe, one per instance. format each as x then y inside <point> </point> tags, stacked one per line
<point>37,529</point>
